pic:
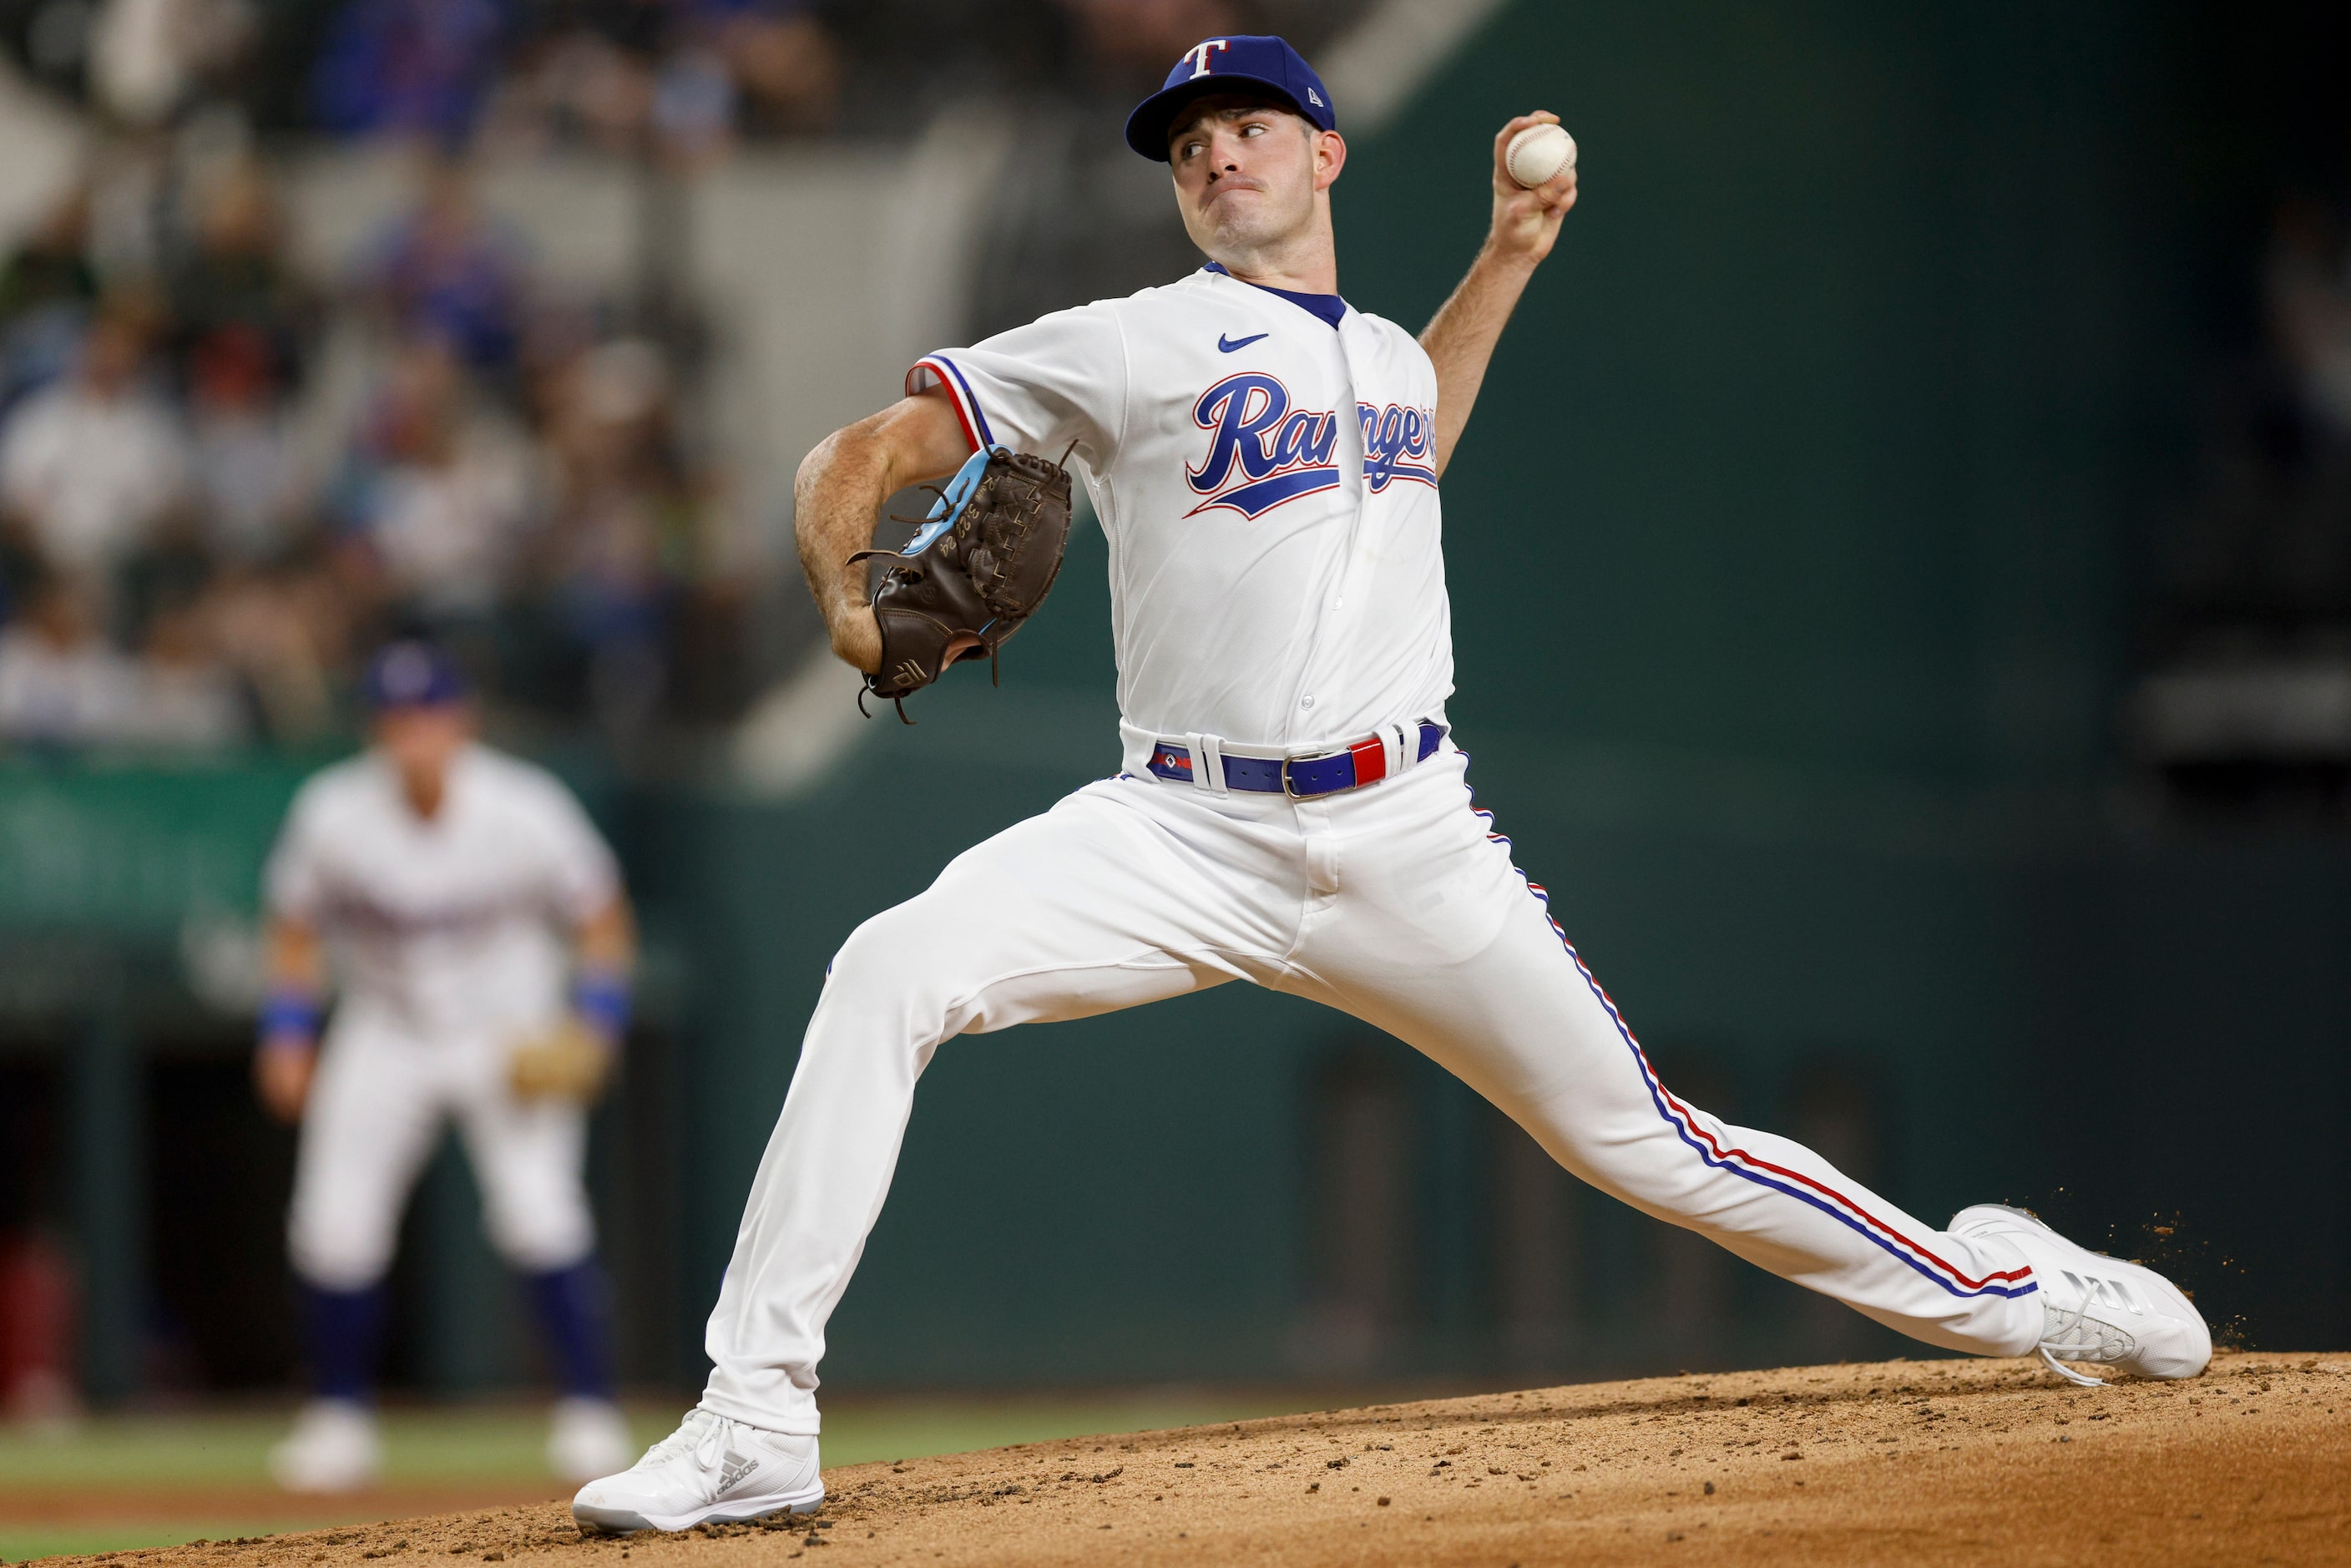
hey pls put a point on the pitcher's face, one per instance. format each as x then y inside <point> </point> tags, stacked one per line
<point>1247,172</point>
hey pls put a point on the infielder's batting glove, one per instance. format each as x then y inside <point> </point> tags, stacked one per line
<point>982,562</point>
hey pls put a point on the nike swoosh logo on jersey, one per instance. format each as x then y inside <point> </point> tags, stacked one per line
<point>1227,345</point>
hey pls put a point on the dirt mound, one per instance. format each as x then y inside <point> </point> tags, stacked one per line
<point>1906,1461</point>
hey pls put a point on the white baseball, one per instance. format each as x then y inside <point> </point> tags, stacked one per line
<point>1538,153</point>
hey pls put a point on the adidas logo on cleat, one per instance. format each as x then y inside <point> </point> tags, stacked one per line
<point>2104,1292</point>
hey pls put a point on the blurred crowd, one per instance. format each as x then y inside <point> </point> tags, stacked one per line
<point>220,480</point>
<point>683,76</point>
<point>680,80</point>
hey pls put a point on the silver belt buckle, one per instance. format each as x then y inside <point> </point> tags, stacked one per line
<point>1286,787</point>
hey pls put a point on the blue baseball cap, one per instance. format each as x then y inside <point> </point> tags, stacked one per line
<point>413,674</point>
<point>1229,65</point>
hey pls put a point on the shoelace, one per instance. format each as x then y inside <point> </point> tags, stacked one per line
<point>700,1435</point>
<point>717,1460</point>
<point>2075,1334</point>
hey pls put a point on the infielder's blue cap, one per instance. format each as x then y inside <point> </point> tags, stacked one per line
<point>1229,65</point>
<point>413,674</point>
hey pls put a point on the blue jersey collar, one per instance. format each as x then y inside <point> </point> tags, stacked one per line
<point>1327,308</point>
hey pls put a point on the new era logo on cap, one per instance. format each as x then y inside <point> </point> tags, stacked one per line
<point>1234,64</point>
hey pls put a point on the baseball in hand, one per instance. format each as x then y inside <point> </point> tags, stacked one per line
<point>1538,153</point>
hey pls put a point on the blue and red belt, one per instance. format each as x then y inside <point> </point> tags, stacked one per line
<point>1300,777</point>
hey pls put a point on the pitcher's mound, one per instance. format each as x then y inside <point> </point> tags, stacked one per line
<point>1904,1461</point>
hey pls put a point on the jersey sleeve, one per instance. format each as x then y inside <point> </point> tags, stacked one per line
<point>582,874</point>
<point>294,879</point>
<point>1038,388</point>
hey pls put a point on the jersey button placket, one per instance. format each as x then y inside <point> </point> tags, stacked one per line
<point>1330,624</point>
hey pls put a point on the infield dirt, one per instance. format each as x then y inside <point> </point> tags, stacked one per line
<point>1904,1461</point>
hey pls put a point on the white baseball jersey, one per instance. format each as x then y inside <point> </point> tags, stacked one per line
<point>448,926</point>
<point>1267,484</point>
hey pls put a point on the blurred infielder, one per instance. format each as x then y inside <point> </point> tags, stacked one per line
<point>450,880</point>
<point>1264,459</point>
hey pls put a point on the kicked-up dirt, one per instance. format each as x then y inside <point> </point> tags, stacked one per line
<point>1904,1461</point>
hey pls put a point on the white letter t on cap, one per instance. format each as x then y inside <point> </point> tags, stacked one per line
<point>1199,57</point>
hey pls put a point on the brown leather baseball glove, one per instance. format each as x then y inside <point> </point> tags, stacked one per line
<point>569,1062</point>
<point>981,564</point>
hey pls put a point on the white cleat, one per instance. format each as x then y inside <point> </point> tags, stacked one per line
<point>333,1449</point>
<point>2098,1309</point>
<point>711,1470</point>
<point>586,1438</point>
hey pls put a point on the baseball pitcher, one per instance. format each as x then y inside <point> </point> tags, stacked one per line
<point>449,880</point>
<point>1294,810</point>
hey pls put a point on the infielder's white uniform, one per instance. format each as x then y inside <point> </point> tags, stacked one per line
<point>1277,590</point>
<point>451,938</point>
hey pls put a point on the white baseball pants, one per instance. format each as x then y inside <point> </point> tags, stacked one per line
<point>377,1106</point>
<point>1392,902</point>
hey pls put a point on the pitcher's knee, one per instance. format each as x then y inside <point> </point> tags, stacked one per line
<point>873,954</point>
<point>882,1012</point>
<point>1643,1161</point>
<point>894,979</point>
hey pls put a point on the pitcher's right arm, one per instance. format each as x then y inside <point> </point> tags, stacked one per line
<point>843,483</point>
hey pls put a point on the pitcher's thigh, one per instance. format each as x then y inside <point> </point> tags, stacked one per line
<point>1522,1023</point>
<point>1090,907</point>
